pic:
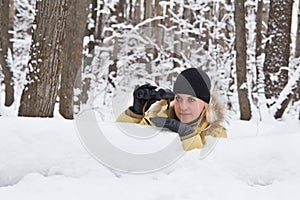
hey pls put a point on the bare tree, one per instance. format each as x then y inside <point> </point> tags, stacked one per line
<point>121,11</point>
<point>72,55</point>
<point>240,45</point>
<point>148,10</point>
<point>297,51</point>
<point>130,12</point>
<point>112,69</point>
<point>207,28</point>
<point>292,89</point>
<point>11,17</point>
<point>91,29</point>
<point>258,50</point>
<point>6,52</point>
<point>99,21</point>
<point>137,12</point>
<point>159,30</point>
<point>297,54</point>
<point>167,17</point>
<point>44,67</point>
<point>287,94</point>
<point>187,13</point>
<point>278,47</point>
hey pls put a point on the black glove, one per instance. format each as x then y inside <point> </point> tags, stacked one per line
<point>141,100</point>
<point>174,125</point>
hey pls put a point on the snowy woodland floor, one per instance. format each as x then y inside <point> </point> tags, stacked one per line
<point>44,159</point>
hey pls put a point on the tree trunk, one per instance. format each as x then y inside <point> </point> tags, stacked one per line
<point>241,56</point>
<point>158,12</point>
<point>130,14</point>
<point>90,25</point>
<point>287,94</point>
<point>6,52</point>
<point>99,28</point>
<point>137,12</point>
<point>11,23</point>
<point>112,69</point>
<point>72,57</point>
<point>207,27</point>
<point>225,33</point>
<point>187,13</point>
<point>148,10</point>
<point>159,31</point>
<point>258,50</point>
<point>122,13</point>
<point>44,67</point>
<point>178,36</point>
<point>297,51</point>
<point>167,17</point>
<point>297,55</point>
<point>278,47</point>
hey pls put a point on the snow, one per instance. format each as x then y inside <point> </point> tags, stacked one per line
<point>44,159</point>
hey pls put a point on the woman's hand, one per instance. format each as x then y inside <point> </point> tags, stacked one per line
<point>174,125</point>
<point>141,103</point>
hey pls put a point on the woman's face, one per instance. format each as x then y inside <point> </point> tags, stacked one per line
<point>188,108</point>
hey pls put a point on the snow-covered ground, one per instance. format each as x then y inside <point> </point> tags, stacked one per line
<point>44,159</point>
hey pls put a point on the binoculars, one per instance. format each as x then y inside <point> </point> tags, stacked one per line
<point>147,94</point>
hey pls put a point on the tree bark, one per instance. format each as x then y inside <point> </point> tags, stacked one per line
<point>241,57</point>
<point>92,29</point>
<point>297,55</point>
<point>297,51</point>
<point>6,52</point>
<point>44,67</point>
<point>178,46</point>
<point>112,69</point>
<point>137,12</point>
<point>167,17</point>
<point>100,25</point>
<point>130,14</point>
<point>223,13</point>
<point>11,24</point>
<point>278,47</point>
<point>258,50</point>
<point>159,31</point>
<point>287,95</point>
<point>122,12</point>
<point>72,57</point>
<point>148,10</point>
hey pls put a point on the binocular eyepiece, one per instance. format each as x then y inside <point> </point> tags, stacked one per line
<point>147,94</point>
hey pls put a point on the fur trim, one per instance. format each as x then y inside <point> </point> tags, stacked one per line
<point>215,115</point>
<point>215,112</point>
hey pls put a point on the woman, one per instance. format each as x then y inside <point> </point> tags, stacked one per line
<point>193,114</point>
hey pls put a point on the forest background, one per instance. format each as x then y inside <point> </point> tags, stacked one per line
<point>77,55</point>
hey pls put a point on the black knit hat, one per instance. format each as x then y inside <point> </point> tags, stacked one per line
<point>194,82</point>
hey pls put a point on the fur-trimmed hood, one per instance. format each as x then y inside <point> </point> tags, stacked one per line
<point>215,115</point>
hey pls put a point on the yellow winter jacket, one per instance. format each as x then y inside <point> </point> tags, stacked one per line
<point>208,124</point>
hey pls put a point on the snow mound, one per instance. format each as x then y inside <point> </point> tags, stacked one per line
<point>254,162</point>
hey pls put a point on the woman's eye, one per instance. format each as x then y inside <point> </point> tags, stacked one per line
<point>192,100</point>
<point>178,98</point>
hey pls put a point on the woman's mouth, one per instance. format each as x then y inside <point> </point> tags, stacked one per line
<point>185,114</point>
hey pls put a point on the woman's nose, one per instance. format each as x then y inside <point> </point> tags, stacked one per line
<point>183,105</point>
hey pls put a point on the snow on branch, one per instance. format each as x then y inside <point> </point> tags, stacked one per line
<point>287,91</point>
<point>148,21</point>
